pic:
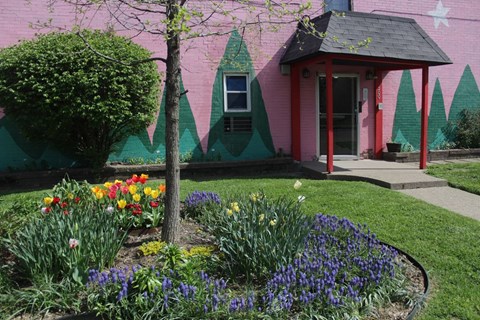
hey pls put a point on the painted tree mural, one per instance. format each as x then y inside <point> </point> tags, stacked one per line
<point>467,95</point>
<point>437,118</point>
<point>19,153</point>
<point>140,146</point>
<point>406,124</point>
<point>256,144</point>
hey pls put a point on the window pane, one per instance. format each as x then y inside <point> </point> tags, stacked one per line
<point>237,101</point>
<point>337,5</point>
<point>236,83</point>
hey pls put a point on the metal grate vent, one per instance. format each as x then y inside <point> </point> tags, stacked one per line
<point>237,124</point>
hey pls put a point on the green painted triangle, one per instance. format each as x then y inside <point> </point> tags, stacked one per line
<point>438,140</point>
<point>187,126</point>
<point>139,146</point>
<point>34,149</point>
<point>467,95</point>
<point>437,119</point>
<point>407,119</point>
<point>237,59</point>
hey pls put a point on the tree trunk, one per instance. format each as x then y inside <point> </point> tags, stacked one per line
<point>172,175</point>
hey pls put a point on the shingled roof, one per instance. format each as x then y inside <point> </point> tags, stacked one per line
<point>391,37</point>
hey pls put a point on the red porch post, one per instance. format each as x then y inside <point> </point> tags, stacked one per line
<point>423,138</point>
<point>378,147</point>
<point>295,111</point>
<point>329,80</point>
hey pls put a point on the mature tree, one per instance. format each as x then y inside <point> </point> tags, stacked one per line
<point>60,92</point>
<point>178,21</point>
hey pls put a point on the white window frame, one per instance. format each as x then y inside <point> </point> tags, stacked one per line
<point>225,92</point>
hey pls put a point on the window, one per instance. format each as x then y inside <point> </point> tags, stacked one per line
<point>236,92</point>
<point>337,5</point>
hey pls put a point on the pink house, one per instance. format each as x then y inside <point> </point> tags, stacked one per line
<point>385,70</point>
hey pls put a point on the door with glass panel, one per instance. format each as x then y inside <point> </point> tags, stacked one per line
<point>345,116</point>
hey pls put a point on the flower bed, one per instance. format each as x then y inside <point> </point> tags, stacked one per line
<point>266,259</point>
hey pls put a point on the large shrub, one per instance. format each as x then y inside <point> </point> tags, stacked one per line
<point>467,129</point>
<point>60,91</point>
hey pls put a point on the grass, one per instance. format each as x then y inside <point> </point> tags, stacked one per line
<point>446,244</point>
<point>465,176</point>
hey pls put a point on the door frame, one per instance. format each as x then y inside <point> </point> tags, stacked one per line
<point>317,115</point>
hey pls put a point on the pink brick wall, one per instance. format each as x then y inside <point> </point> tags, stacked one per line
<point>201,57</point>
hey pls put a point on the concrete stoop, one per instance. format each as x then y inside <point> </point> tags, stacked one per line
<point>392,175</point>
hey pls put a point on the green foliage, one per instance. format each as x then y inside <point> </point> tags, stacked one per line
<point>17,214</point>
<point>152,247</point>
<point>60,91</point>
<point>81,240</point>
<point>467,129</point>
<point>258,235</point>
<point>66,243</point>
<point>465,176</point>
<point>46,296</point>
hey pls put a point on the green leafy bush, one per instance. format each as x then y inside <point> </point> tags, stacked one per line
<point>467,129</point>
<point>258,235</point>
<point>59,91</point>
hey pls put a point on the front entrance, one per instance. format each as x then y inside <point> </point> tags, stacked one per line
<point>345,116</point>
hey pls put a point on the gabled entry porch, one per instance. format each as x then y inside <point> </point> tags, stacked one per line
<point>396,44</point>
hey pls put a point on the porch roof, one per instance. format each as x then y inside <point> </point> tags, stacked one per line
<point>393,39</point>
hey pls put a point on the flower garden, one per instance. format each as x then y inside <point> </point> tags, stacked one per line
<point>266,258</point>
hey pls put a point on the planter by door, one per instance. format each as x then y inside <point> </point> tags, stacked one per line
<point>394,147</point>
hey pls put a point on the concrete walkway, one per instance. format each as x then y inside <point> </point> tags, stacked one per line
<point>403,177</point>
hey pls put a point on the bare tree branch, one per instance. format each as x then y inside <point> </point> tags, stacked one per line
<point>132,63</point>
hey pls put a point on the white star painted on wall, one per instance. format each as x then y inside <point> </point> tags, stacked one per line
<point>439,14</point>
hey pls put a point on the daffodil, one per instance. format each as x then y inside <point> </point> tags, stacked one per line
<point>147,191</point>
<point>47,200</point>
<point>132,189</point>
<point>121,203</point>
<point>273,222</point>
<point>254,197</point>
<point>70,196</point>
<point>297,185</point>
<point>229,212</point>
<point>261,217</point>
<point>234,206</point>
<point>136,197</point>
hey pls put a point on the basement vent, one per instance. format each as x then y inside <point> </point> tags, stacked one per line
<point>237,124</point>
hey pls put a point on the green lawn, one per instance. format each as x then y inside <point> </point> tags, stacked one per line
<point>446,244</point>
<point>465,176</point>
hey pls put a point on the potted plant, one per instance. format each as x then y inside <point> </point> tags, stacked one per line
<point>393,146</point>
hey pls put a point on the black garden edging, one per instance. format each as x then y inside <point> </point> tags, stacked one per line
<point>411,315</point>
<point>426,283</point>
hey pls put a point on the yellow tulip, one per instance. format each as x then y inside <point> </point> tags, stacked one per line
<point>95,189</point>
<point>99,195</point>
<point>70,196</point>
<point>155,193</point>
<point>119,182</point>
<point>121,203</point>
<point>147,191</point>
<point>107,184</point>
<point>47,200</point>
<point>136,197</point>
<point>144,176</point>
<point>132,189</point>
